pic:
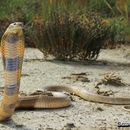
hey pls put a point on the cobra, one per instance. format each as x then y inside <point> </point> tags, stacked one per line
<point>12,49</point>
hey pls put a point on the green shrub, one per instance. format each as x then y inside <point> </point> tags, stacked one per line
<point>117,30</point>
<point>78,35</point>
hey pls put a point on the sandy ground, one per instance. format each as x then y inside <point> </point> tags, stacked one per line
<point>81,115</point>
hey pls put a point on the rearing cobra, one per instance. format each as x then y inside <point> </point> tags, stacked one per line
<point>12,49</point>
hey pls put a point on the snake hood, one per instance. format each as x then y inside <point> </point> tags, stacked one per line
<point>14,32</point>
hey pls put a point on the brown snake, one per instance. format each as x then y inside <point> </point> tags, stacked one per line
<point>12,48</point>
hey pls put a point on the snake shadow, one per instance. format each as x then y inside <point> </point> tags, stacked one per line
<point>10,123</point>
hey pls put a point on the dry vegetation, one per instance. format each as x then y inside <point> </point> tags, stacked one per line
<point>70,35</point>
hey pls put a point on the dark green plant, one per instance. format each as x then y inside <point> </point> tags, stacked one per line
<point>117,30</point>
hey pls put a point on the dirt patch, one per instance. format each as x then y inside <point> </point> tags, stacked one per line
<point>81,115</point>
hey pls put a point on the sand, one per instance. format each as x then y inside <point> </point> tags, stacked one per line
<point>81,115</point>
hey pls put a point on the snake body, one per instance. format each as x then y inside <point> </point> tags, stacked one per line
<point>12,49</point>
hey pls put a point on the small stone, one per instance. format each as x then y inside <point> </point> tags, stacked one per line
<point>100,109</point>
<point>19,125</point>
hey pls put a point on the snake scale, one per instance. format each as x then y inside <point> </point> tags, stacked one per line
<point>12,49</point>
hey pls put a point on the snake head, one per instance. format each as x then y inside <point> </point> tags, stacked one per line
<point>14,27</point>
<point>14,32</point>
<point>16,24</point>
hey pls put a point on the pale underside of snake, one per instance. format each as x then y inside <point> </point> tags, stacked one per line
<point>12,49</point>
